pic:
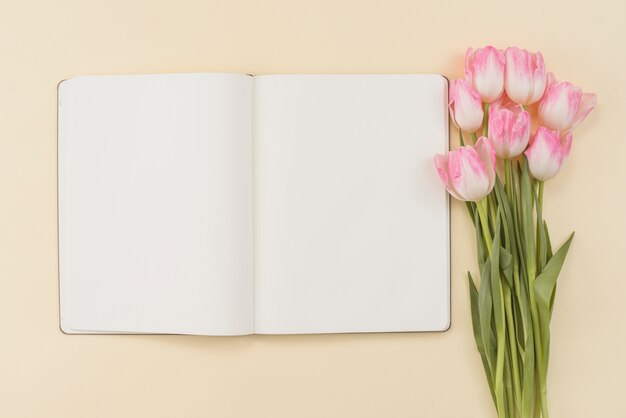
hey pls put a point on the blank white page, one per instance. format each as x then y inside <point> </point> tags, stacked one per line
<point>351,221</point>
<point>155,204</point>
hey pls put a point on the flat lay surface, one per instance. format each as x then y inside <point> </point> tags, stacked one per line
<point>46,373</point>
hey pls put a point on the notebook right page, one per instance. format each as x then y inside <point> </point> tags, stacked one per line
<point>351,221</point>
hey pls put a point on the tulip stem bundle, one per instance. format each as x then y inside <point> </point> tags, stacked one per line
<point>512,304</point>
<point>513,297</point>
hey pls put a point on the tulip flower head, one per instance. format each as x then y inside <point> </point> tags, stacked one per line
<point>469,172</point>
<point>524,76</point>
<point>509,129</point>
<point>564,105</point>
<point>547,152</point>
<point>484,69</point>
<point>465,107</point>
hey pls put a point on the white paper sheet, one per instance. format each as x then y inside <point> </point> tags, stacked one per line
<point>155,211</point>
<point>351,222</point>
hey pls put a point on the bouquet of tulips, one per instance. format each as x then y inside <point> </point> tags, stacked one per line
<point>500,176</point>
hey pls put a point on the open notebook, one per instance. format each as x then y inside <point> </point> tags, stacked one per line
<point>227,204</point>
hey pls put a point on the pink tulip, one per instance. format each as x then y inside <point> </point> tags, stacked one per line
<point>524,76</point>
<point>468,173</point>
<point>465,107</point>
<point>564,106</point>
<point>509,129</point>
<point>484,69</point>
<point>547,152</point>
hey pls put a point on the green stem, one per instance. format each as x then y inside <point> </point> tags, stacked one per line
<point>492,207</point>
<point>541,237</point>
<point>514,185</point>
<point>507,178</point>
<point>485,119</point>
<point>482,214</point>
<point>500,357</point>
<point>510,402</point>
<point>537,412</point>
<point>513,348</point>
<point>474,137</point>
<point>541,356</point>
<point>539,364</point>
<point>461,142</point>
<point>510,398</point>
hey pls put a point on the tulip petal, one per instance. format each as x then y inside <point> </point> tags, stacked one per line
<point>567,144</point>
<point>469,176</point>
<point>540,80</point>
<point>545,154</point>
<point>468,173</point>
<point>452,100</point>
<point>559,106</point>
<point>550,80</point>
<point>520,134</point>
<point>487,154</point>
<point>586,105</point>
<point>465,106</point>
<point>484,69</point>
<point>509,129</point>
<point>441,164</point>
<point>518,75</point>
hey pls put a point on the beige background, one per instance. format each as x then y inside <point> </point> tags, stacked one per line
<point>44,373</point>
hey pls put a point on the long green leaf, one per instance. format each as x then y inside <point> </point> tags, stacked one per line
<point>485,308</point>
<point>506,265</point>
<point>509,223</point>
<point>498,317</point>
<point>548,243</point>
<point>544,290</point>
<point>478,333</point>
<point>480,243</point>
<point>526,201</point>
<point>542,247</point>
<point>545,282</point>
<point>519,328</point>
<point>528,379</point>
<point>517,212</point>
<point>508,385</point>
<point>470,209</point>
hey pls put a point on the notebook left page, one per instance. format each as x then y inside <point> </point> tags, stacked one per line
<point>155,204</point>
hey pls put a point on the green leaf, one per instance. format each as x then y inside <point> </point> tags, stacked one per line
<point>548,243</point>
<point>526,215</point>
<point>546,281</point>
<point>470,210</point>
<point>519,327</point>
<point>485,309</point>
<point>506,265</point>
<point>478,332</point>
<point>517,218</point>
<point>528,359</point>
<point>480,243</point>
<point>508,386</point>
<point>528,379</point>
<point>549,256</point>
<point>498,316</point>
<point>544,288</point>
<point>509,224</point>
<point>542,248</point>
